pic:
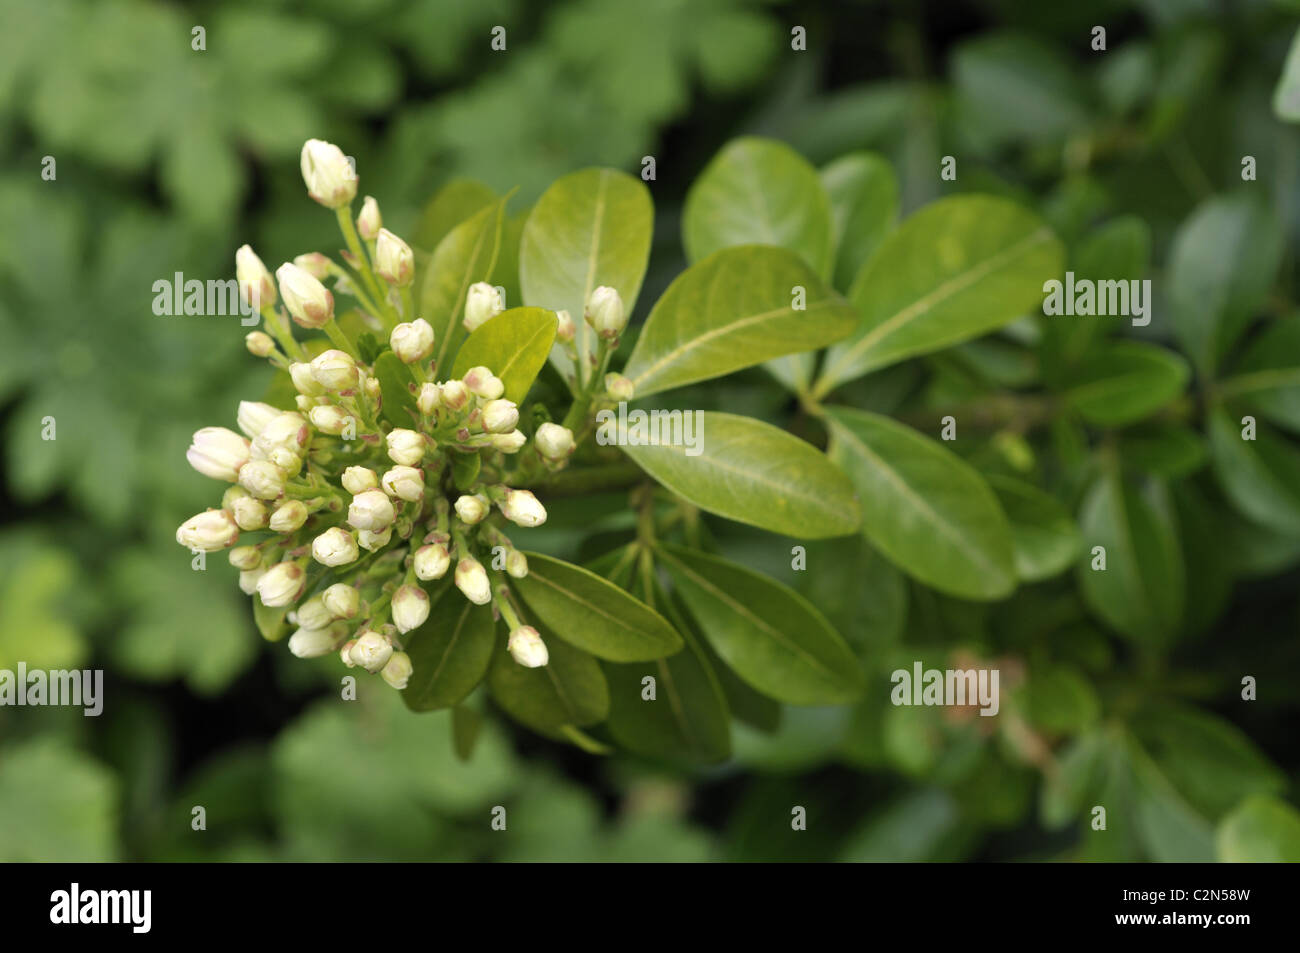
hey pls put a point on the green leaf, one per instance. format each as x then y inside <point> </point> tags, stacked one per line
<point>733,310</point>
<point>568,690</point>
<point>59,805</point>
<point>864,198</point>
<point>1221,266</point>
<point>1140,592</point>
<point>759,191</point>
<point>466,724</point>
<point>1166,450</point>
<point>514,345</point>
<point>270,622</point>
<point>395,384</point>
<point>1044,539</point>
<point>1170,828</point>
<point>450,653</point>
<point>1267,378</point>
<point>453,204</point>
<point>1262,476</point>
<point>466,255</point>
<point>925,508</point>
<point>590,228</point>
<point>773,637</point>
<point>958,268</point>
<point>34,623</point>
<point>1286,97</point>
<point>1126,382</point>
<point>1263,830</point>
<point>593,613</point>
<point>1063,795</point>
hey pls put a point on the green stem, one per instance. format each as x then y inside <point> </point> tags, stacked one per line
<point>349,230</point>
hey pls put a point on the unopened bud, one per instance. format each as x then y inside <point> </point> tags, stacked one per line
<point>313,614</point>
<point>369,222</point>
<point>483,383</point>
<point>394,260</point>
<point>371,651</point>
<point>281,585</point>
<point>482,302</point>
<point>335,370</point>
<point>472,580</point>
<point>218,453</point>
<point>330,419</point>
<point>406,447</point>
<point>343,601</point>
<point>511,442</point>
<point>500,416</point>
<point>564,328</point>
<point>289,516</point>
<point>259,343</point>
<point>523,509</point>
<point>472,509</point>
<point>309,302</point>
<point>431,562</point>
<point>315,264</point>
<point>334,547</point>
<point>412,341</point>
<point>516,564</point>
<point>255,284</point>
<point>618,387</point>
<point>209,532</point>
<point>245,557</point>
<point>263,479</point>
<point>286,431</point>
<point>553,441</point>
<point>250,514</point>
<point>405,483</point>
<point>329,177</point>
<point>605,312</point>
<point>410,608</point>
<point>359,479</point>
<point>253,416</point>
<point>313,643</point>
<point>454,395</point>
<point>304,382</point>
<point>398,670</point>
<point>374,540</point>
<point>429,399</point>
<point>527,648</point>
<point>249,578</point>
<point>371,510</point>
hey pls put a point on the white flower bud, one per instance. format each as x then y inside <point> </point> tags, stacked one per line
<point>359,479</point>
<point>335,370</point>
<point>394,260</point>
<point>410,608</point>
<point>406,447</point>
<point>371,510</point>
<point>374,540</point>
<point>500,416</point>
<point>431,562</point>
<point>526,647</point>
<point>345,653</point>
<point>523,509</point>
<point>371,651</point>
<point>516,564</point>
<point>472,509</point>
<point>218,453</point>
<point>343,601</point>
<point>245,557</point>
<point>288,462</point>
<point>330,419</point>
<point>369,222</point>
<point>281,585</point>
<point>618,387</point>
<point>553,441</point>
<point>263,479</point>
<point>605,312</point>
<point>329,177</point>
<point>303,381</point>
<point>334,547</point>
<point>564,328</point>
<point>483,383</point>
<point>286,431</point>
<point>259,343</point>
<point>210,531</point>
<point>313,643</point>
<point>250,514</point>
<point>398,670</point>
<point>472,580</point>
<point>255,284</point>
<point>429,399</point>
<point>313,614</point>
<point>372,388</point>
<point>253,416</point>
<point>454,394</point>
<point>412,341</point>
<point>315,264</point>
<point>309,302</point>
<point>482,302</point>
<point>249,578</point>
<point>511,442</point>
<point>289,516</point>
<point>405,483</point>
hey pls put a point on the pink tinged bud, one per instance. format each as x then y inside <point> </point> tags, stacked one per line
<point>285,431</point>
<point>281,585</point>
<point>255,284</point>
<point>410,608</point>
<point>431,562</point>
<point>516,564</point>
<point>335,370</point>
<point>371,651</point>
<point>245,557</point>
<point>372,388</point>
<point>398,670</point>
<point>455,395</point>
<point>303,381</point>
<point>334,547</point>
<point>309,302</point>
<point>500,416</point>
<point>218,453</point>
<point>430,398</point>
<point>374,540</point>
<point>482,302</point>
<point>250,514</point>
<point>553,441</point>
<point>605,312</point>
<point>618,386</point>
<point>371,510</point>
<point>511,442</point>
<point>405,483</point>
<point>345,653</point>
<point>523,509</point>
<point>315,264</point>
<point>472,509</point>
<point>313,614</point>
<point>263,479</point>
<point>329,419</point>
<point>313,643</point>
<point>343,601</point>
<point>394,260</point>
<point>472,580</point>
<point>483,383</point>
<point>564,329</point>
<point>412,341</point>
<point>259,343</point>
<point>327,173</point>
<point>209,532</point>
<point>406,447</point>
<point>369,222</point>
<point>527,648</point>
<point>253,416</point>
<point>359,479</point>
<point>289,517</point>
<point>248,580</point>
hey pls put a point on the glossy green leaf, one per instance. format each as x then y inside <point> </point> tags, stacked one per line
<point>465,468</point>
<point>466,725</point>
<point>751,472</point>
<point>1125,382</point>
<point>569,689</point>
<point>770,635</point>
<point>1140,592</point>
<point>758,191</point>
<point>732,310</point>
<point>1263,830</point>
<point>593,613</point>
<point>1044,539</point>
<point>514,345</point>
<point>590,228</point>
<point>1261,476</point>
<point>958,268</point>
<point>270,622</point>
<point>863,192</point>
<point>449,653</point>
<point>1165,450</point>
<point>454,203</point>
<point>465,255</point>
<point>1267,378</point>
<point>396,385</point>
<point>924,507</point>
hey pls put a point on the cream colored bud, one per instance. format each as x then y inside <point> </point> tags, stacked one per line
<point>454,394</point>
<point>281,585</point>
<point>313,614</point>
<point>511,442</point>
<point>209,532</point>
<point>412,341</point>
<point>472,580</point>
<point>482,303</point>
<point>343,601</point>
<point>259,343</point>
<point>472,509</point>
<point>372,388</point>
<point>250,514</point>
<point>359,479</point>
<point>330,419</point>
<point>516,564</point>
<point>312,643</point>
<point>526,647</point>
<point>334,547</point>
<point>289,516</point>
<point>371,510</point>
<point>431,562</point>
<point>249,578</point>
<point>605,312</point>
<point>328,174</point>
<point>315,264</point>
<point>398,670</point>
<point>303,381</point>
<point>286,431</point>
<point>245,557</point>
<point>394,260</point>
<point>309,302</point>
<point>564,328</point>
<point>218,453</point>
<point>371,651</point>
<point>255,284</point>
<point>405,483</point>
<point>406,447</point>
<point>410,608</point>
<point>618,387</point>
<point>369,222</point>
<point>483,383</point>
<point>253,416</point>
<point>523,509</point>
<point>500,416</point>
<point>553,441</point>
<point>430,398</point>
<point>374,540</point>
<point>335,370</point>
<point>263,479</point>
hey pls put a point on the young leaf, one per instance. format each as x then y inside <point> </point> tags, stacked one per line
<point>395,383</point>
<point>735,309</point>
<point>454,203</point>
<point>775,639</point>
<point>924,507</point>
<point>751,472</point>
<point>1261,477</point>
<point>590,228</point>
<point>958,268</point>
<point>466,255</point>
<point>758,191</point>
<point>864,198</point>
<point>593,613</point>
<point>569,689</point>
<point>1044,539</point>
<point>514,345</point>
<point>1262,830</point>
<point>449,653</point>
<point>1125,382</point>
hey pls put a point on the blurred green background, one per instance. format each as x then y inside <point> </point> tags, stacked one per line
<point>168,158</point>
